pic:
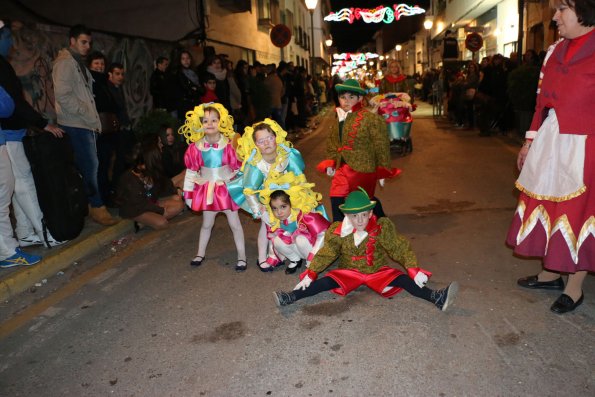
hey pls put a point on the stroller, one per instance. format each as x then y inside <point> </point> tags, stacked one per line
<point>396,108</point>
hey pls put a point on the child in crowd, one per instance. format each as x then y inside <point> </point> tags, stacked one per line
<point>210,85</point>
<point>173,156</point>
<point>362,242</point>
<point>146,195</point>
<point>357,149</point>
<point>211,163</point>
<point>294,228</point>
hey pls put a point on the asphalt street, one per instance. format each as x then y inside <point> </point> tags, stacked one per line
<point>144,323</point>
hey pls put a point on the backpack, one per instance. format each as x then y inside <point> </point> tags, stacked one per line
<point>59,184</point>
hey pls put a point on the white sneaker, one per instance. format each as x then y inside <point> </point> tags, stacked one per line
<point>53,242</point>
<point>32,239</point>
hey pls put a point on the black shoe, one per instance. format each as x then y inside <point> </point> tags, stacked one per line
<point>442,298</point>
<point>565,304</point>
<point>264,269</point>
<point>284,298</point>
<point>197,261</point>
<point>531,282</point>
<point>240,267</point>
<point>293,266</point>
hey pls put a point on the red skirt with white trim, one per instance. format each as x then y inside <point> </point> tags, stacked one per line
<point>562,233</point>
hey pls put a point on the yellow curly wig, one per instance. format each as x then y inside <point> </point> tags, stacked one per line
<point>300,193</point>
<point>246,143</point>
<point>192,128</point>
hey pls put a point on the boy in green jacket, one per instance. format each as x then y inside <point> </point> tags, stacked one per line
<point>362,243</point>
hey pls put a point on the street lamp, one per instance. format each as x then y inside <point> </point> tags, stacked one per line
<point>398,47</point>
<point>428,23</point>
<point>311,6</point>
<point>328,42</point>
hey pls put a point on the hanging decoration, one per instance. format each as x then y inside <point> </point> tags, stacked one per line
<point>358,57</point>
<point>346,62</point>
<point>375,15</point>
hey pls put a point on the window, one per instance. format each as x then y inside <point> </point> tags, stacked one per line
<point>288,20</point>
<point>248,55</point>
<point>264,9</point>
<point>305,40</point>
<point>509,47</point>
<point>275,12</point>
<point>268,11</point>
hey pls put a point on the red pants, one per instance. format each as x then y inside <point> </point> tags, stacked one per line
<point>350,279</point>
<point>346,180</point>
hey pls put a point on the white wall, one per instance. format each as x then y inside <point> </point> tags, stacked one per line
<point>507,25</point>
<point>463,11</point>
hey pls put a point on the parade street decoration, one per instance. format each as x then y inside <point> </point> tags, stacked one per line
<point>375,15</point>
<point>346,62</point>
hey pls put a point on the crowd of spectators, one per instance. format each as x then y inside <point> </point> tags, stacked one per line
<point>480,95</point>
<point>250,92</point>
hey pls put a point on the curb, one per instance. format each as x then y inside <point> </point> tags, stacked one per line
<point>51,264</point>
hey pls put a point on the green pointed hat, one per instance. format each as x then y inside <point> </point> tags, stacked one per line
<point>357,201</point>
<point>350,85</point>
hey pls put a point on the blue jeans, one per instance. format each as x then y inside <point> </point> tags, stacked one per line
<point>85,156</point>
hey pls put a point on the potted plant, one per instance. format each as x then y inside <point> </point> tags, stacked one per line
<point>522,91</point>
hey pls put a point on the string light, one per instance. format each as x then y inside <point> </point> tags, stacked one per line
<point>374,15</point>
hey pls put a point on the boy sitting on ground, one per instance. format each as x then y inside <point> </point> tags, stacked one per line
<point>362,243</point>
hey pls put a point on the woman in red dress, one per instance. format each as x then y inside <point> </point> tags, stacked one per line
<point>555,217</point>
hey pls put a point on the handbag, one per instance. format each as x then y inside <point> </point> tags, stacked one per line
<point>109,123</point>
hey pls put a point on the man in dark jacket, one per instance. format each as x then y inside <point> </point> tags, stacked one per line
<point>492,98</point>
<point>116,75</point>
<point>159,86</point>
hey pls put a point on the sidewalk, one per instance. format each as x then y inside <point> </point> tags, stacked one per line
<point>93,237</point>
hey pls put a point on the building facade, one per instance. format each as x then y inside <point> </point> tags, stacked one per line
<point>497,21</point>
<point>249,39</point>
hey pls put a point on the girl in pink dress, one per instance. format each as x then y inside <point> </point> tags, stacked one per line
<point>211,162</point>
<point>295,221</point>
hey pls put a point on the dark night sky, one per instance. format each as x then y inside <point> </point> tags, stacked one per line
<point>348,37</point>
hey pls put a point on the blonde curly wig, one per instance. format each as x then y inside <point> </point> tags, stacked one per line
<point>246,144</point>
<point>193,130</point>
<point>300,193</point>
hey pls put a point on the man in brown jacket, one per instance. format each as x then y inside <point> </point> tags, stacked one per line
<point>77,114</point>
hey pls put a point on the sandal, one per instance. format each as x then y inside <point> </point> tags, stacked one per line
<point>197,261</point>
<point>241,268</point>
<point>264,269</point>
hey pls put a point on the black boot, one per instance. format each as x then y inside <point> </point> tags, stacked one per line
<point>442,298</point>
<point>284,298</point>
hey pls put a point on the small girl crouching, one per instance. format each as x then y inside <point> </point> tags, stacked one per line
<point>294,234</point>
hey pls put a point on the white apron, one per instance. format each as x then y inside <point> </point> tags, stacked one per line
<point>554,166</point>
